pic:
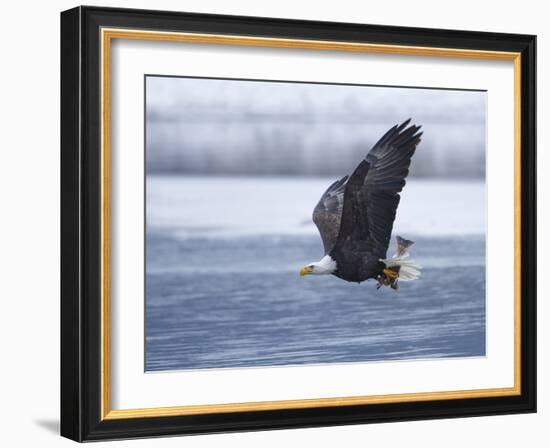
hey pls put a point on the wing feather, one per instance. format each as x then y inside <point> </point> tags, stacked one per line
<point>328,212</point>
<point>371,194</point>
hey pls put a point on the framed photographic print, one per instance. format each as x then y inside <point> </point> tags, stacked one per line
<point>273,223</point>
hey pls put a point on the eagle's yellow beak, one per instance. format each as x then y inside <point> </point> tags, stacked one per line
<point>305,271</point>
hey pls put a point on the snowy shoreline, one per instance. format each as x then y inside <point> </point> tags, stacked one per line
<point>226,207</point>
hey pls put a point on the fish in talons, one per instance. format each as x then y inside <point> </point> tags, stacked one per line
<point>398,267</point>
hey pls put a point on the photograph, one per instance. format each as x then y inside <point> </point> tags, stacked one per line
<point>299,223</point>
<point>291,220</point>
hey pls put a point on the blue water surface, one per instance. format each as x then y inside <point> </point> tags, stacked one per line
<point>239,302</point>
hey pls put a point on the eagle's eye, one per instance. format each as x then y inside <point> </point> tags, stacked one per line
<point>311,266</point>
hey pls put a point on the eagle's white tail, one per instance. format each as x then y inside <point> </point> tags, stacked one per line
<point>408,269</point>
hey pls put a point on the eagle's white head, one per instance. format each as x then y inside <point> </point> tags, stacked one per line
<point>324,266</point>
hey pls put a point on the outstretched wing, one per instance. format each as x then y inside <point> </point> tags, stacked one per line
<point>328,212</point>
<point>371,193</point>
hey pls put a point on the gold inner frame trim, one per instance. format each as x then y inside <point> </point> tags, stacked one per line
<point>107,35</point>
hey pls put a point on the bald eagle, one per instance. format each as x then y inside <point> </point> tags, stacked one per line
<point>355,215</point>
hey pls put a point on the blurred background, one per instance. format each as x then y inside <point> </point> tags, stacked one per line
<point>233,171</point>
<point>206,126</point>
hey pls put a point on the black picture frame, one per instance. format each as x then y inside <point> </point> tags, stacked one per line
<point>81,224</point>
